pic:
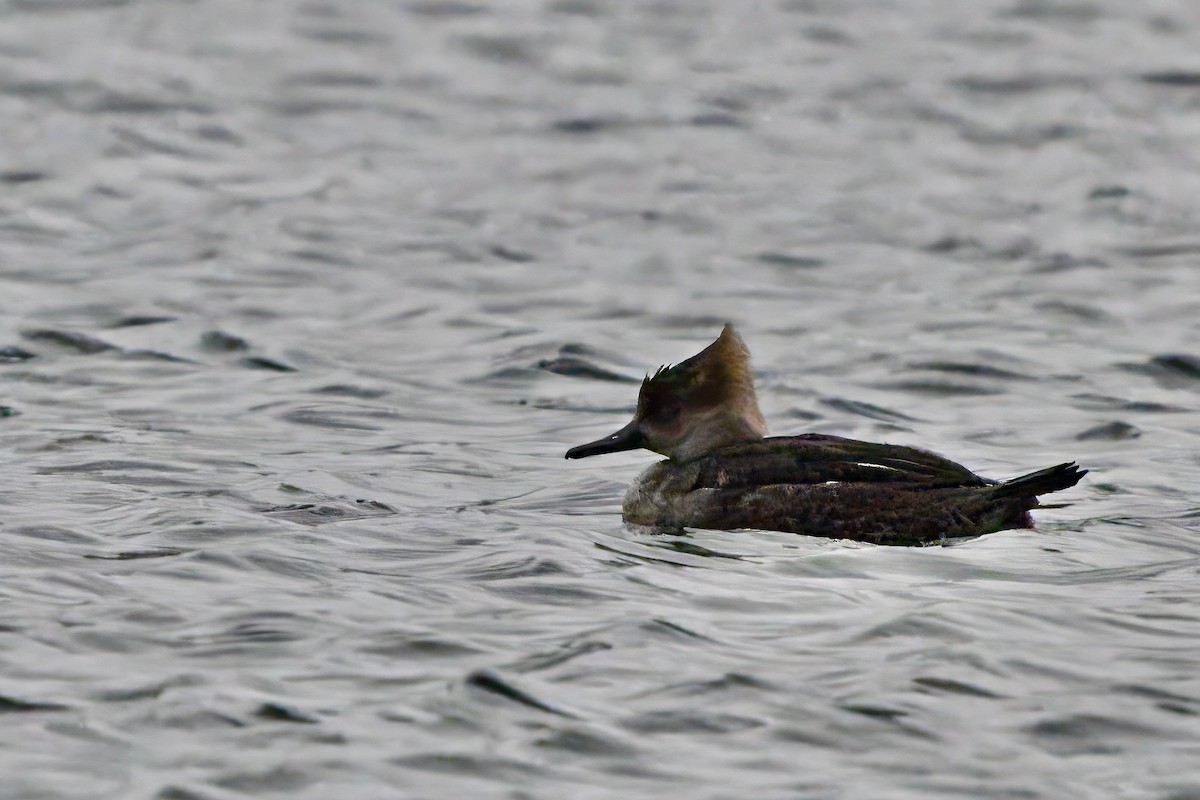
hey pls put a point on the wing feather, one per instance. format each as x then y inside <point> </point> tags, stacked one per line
<point>818,458</point>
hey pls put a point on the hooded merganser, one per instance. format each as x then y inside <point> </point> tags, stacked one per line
<point>722,473</point>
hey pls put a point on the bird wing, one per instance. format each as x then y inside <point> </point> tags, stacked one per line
<point>817,458</point>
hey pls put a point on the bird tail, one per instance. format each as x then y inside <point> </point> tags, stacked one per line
<point>1044,481</point>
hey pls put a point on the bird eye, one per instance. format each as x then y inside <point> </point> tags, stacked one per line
<point>668,413</point>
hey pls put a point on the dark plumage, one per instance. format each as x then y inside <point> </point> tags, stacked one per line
<point>721,472</point>
<point>837,488</point>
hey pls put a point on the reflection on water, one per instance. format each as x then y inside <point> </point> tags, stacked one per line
<point>304,302</point>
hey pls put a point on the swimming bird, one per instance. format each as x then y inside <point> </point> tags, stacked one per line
<point>723,472</point>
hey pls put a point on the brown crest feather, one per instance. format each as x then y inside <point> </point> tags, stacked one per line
<point>717,375</point>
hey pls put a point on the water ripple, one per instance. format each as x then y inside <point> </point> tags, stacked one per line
<point>305,301</point>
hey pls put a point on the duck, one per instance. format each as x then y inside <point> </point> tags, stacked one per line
<point>723,472</point>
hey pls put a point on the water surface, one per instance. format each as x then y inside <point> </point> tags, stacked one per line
<point>303,303</point>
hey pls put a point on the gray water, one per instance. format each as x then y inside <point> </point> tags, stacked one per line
<point>293,519</point>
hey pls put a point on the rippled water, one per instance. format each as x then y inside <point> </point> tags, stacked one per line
<point>304,301</point>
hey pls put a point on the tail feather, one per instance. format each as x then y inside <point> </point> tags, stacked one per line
<point>1044,481</point>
